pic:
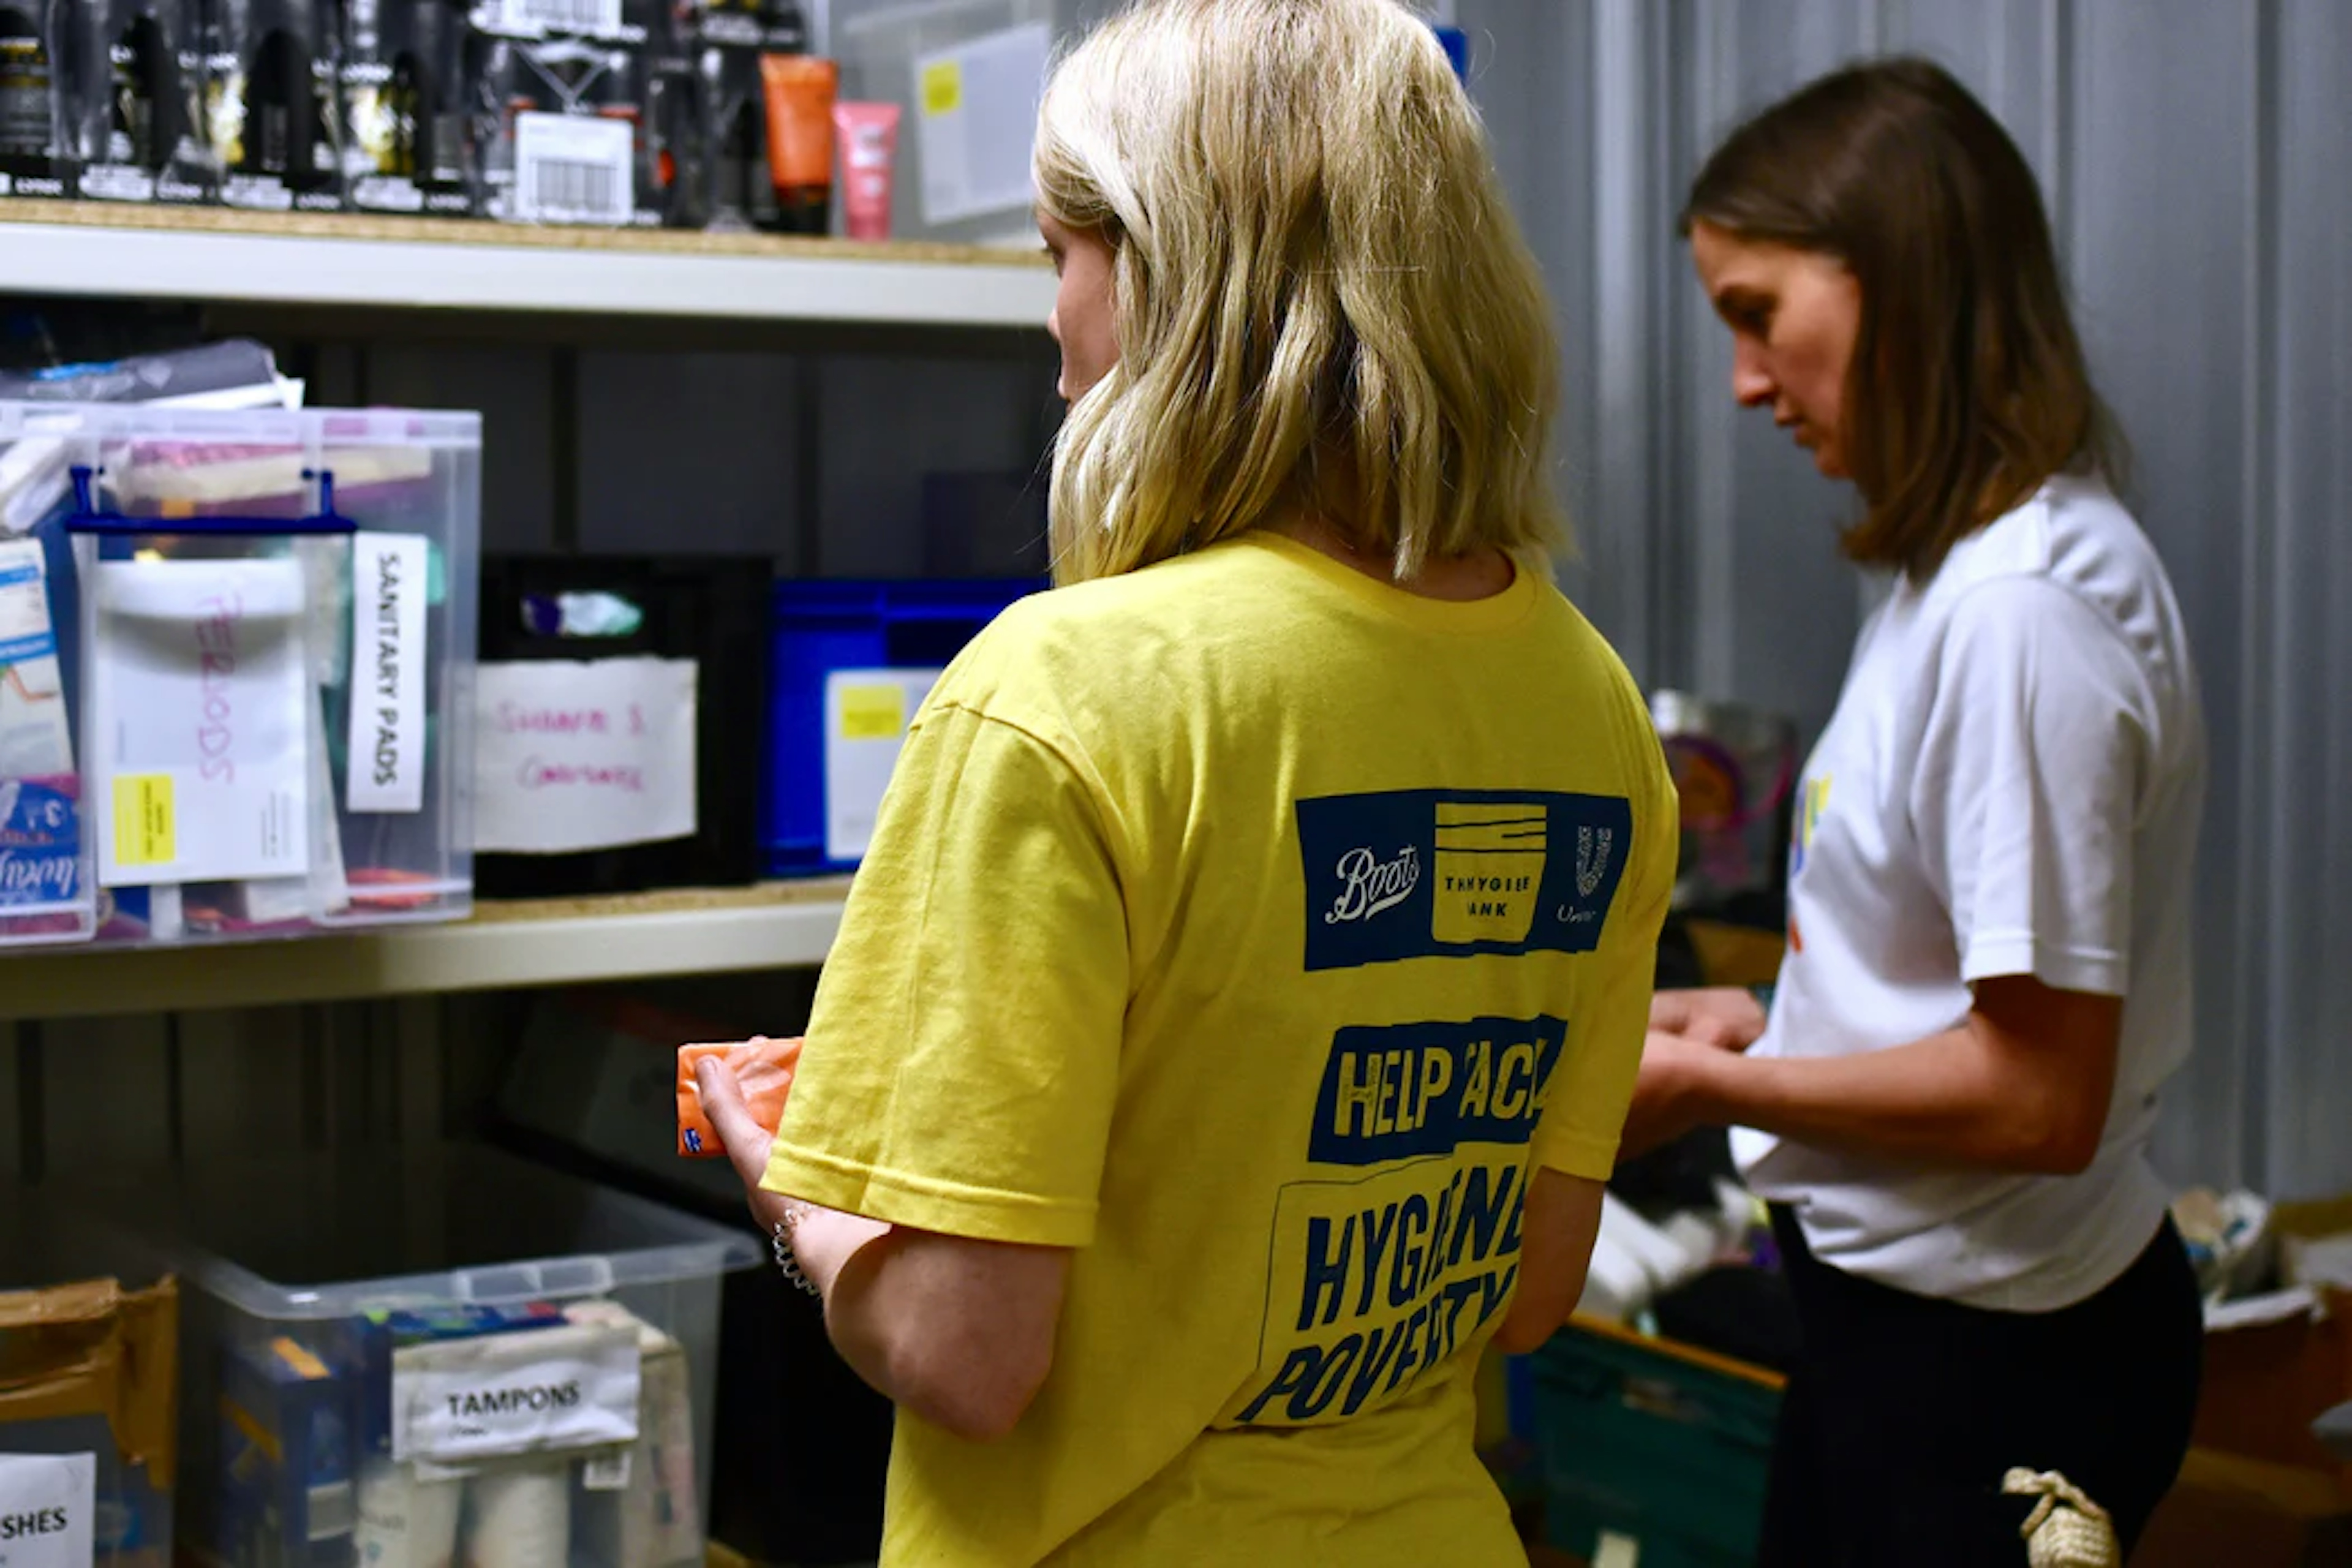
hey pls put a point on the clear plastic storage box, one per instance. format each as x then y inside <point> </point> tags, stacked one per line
<point>89,1348</point>
<point>966,76</point>
<point>398,1359</point>
<point>236,652</point>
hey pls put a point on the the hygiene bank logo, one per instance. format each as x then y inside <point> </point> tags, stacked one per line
<point>1433,873</point>
<point>1812,801</point>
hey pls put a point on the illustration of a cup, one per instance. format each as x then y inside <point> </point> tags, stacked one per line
<point>1489,871</point>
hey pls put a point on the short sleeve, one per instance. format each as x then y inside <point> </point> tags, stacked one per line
<point>2028,786</point>
<point>1591,1088</point>
<point>962,1060</point>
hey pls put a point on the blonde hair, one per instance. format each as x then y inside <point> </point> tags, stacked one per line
<point>1323,306</point>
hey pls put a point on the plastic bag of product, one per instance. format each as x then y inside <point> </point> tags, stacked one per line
<point>764,1068</point>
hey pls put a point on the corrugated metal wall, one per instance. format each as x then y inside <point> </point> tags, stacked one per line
<point>2195,156</point>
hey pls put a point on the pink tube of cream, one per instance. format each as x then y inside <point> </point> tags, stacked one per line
<point>868,134</point>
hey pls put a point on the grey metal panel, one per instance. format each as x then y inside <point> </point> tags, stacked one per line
<point>688,453</point>
<point>1771,605</point>
<point>2164,227</point>
<point>514,389</point>
<point>2302,812</point>
<point>885,423</point>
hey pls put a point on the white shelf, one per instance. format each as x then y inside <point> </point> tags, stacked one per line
<point>369,261</point>
<point>551,942</point>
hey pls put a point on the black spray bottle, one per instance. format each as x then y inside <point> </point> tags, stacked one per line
<point>36,90</point>
<point>274,102</point>
<point>408,139</point>
<point>138,102</point>
<point>735,34</point>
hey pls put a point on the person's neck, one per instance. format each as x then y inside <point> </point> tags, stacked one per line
<point>1458,579</point>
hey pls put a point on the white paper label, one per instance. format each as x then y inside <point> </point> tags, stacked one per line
<point>201,692</point>
<point>46,1501</point>
<point>597,19</point>
<point>573,168</point>
<point>535,1392</point>
<point>117,183</point>
<point>867,712</point>
<point>606,1472</point>
<point>978,116</point>
<point>388,594</point>
<point>582,754</point>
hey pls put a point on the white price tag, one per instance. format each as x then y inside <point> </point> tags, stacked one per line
<point>586,755</point>
<point>46,1501</point>
<point>595,18</point>
<point>606,1472</point>
<point>387,742</point>
<point>535,1392</point>
<point>867,712</point>
<point>573,168</point>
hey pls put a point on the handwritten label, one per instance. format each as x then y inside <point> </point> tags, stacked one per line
<point>202,709</point>
<point>572,755</point>
<point>388,599</point>
<point>47,1503</point>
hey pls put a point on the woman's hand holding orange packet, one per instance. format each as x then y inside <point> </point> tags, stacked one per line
<point>761,1066</point>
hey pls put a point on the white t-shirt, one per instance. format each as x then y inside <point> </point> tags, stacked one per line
<point>2010,785</point>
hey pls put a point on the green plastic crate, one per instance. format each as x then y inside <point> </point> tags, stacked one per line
<point>1655,1441</point>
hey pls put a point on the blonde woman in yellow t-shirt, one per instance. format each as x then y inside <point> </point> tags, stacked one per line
<point>1233,1022</point>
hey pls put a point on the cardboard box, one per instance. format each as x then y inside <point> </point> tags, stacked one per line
<point>2229,1511</point>
<point>2266,1382</point>
<point>2259,1491</point>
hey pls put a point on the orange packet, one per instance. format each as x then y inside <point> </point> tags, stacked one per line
<point>764,1068</point>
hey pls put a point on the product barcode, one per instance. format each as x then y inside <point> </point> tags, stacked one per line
<point>596,17</point>
<point>558,190</point>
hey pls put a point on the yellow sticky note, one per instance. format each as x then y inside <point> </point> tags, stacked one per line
<point>943,86</point>
<point>873,713</point>
<point>145,831</point>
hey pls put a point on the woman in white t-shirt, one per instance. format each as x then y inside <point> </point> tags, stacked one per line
<point>1991,894</point>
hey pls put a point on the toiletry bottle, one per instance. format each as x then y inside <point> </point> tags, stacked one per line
<point>405,133</point>
<point>32,106</point>
<point>735,34</point>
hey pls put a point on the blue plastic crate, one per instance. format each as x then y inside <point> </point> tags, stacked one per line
<point>821,628</point>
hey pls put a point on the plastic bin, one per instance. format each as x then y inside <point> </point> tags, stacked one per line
<point>899,52</point>
<point>585,664</point>
<point>1646,1438</point>
<point>399,1353</point>
<point>239,651</point>
<point>90,1336</point>
<point>852,662</point>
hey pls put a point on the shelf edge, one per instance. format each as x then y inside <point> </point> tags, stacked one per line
<point>416,960</point>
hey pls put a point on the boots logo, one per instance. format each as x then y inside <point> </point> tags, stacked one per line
<point>1592,847</point>
<point>1406,875</point>
<point>1368,885</point>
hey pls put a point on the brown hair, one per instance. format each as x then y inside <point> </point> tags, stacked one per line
<point>1967,388</point>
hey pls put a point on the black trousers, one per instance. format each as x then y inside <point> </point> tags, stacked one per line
<point>1905,1412</point>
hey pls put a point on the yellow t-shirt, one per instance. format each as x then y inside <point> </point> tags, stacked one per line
<point>1245,924</point>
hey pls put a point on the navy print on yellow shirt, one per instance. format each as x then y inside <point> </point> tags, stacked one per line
<point>1448,873</point>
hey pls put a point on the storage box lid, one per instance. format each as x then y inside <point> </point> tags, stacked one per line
<point>323,1236</point>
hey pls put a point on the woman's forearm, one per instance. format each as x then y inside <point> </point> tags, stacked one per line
<point>1965,1098</point>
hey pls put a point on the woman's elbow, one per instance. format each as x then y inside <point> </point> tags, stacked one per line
<point>1521,1334</point>
<point>979,1399</point>
<point>2062,1140</point>
<point>1535,1315</point>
